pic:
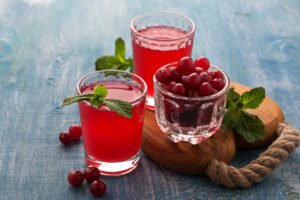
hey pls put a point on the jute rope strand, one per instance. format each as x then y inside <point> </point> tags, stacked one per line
<point>231,177</point>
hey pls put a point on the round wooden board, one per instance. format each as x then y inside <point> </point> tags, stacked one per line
<point>192,159</point>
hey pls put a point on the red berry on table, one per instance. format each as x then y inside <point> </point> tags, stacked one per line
<point>186,65</point>
<point>174,74</point>
<point>206,89</point>
<point>217,83</point>
<point>75,178</point>
<point>179,89</point>
<point>202,62</point>
<point>216,74</point>
<point>91,174</point>
<point>192,81</point>
<point>98,188</point>
<point>163,75</point>
<point>65,138</point>
<point>205,77</point>
<point>75,132</point>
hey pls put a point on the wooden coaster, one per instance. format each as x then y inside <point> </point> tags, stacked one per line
<point>192,159</point>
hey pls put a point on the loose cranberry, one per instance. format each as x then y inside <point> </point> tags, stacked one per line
<point>192,81</point>
<point>202,62</point>
<point>206,89</point>
<point>91,174</point>
<point>199,70</point>
<point>65,138</point>
<point>179,89</point>
<point>98,188</point>
<point>174,74</point>
<point>163,75</point>
<point>218,84</point>
<point>216,74</point>
<point>186,65</point>
<point>75,132</point>
<point>75,178</point>
<point>205,77</point>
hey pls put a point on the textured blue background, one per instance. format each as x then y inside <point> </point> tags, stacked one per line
<point>47,45</point>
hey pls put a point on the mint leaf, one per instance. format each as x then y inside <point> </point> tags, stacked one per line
<point>231,118</point>
<point>250,127</point>
<point>121,107</point>
<point>106,62</point>
<point>74,99</point>
<point>232,98</point>
<point>253,98</point>
<point>96,101</point>
<point>120,49</point>
<point>100,91</point>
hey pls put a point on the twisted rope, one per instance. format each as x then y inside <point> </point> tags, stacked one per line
<point>231,177</point>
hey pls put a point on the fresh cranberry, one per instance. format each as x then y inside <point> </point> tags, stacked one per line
<point>192,81</point>
<point>202,62</point>
<point>217,83</point>
<point>75,132</point>
<point>199,70</point>
<point>163,75</point>
<point>205,77</point>
<point>169,86</point>
<point>206,89</point>
<point>98,188</point>
<point>193,93</point>
<point>174,74</point>
<point>91,174</point>
<point>179,89</point>
<point>75,178</point>
<point>186,65</point>
<point>216,74</point>
<point>65,138</point>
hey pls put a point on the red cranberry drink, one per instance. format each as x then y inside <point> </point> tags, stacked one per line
<point>190,99</point>
<point>159,38</point>
<point>112,142</point>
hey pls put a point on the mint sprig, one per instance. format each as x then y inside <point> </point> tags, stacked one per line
<point>96,99</point>
<point>118,61</point>
<point>249,126</point>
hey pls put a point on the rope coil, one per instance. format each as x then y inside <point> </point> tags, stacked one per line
<point>232,177</point>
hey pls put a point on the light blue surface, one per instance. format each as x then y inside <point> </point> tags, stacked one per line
<point>47,45</point>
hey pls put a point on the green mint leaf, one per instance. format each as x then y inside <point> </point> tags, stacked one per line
<point>231,118</point>
<point>250,127</point>
<point>74,99</point>
<point>120,49</point>
<point>232,98</point>
<point>253,98</point>
<point>96,101</point>
<point>100,91</point>
<point>123,108</point>
<point>106,62</point>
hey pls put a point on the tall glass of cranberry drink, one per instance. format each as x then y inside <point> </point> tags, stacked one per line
<point>190,100</point>
<point>159,38</point>
<point>112,142</point>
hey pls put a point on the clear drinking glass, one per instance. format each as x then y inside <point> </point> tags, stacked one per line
<point>112,142</point>
<point>159,38</point>
<point>190,119</point>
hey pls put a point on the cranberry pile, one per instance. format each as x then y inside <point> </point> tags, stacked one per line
<point>91,175</point>
<point>74,134</point>
<point>191,78</point>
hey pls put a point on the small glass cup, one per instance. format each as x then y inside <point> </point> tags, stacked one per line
<point>112,142</point>
<point>159,38</point>
<point>190,119</point>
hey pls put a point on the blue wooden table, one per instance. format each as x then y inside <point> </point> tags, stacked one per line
<point>47,45</point>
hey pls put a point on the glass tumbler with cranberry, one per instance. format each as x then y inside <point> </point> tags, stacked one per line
<point>190,99</point>
<point>112,142</point>
<point>159,38</point>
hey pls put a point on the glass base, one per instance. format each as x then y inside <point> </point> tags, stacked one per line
<point>113,168</point>
<point>150,104</point>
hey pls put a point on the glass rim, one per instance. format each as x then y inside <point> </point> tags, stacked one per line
<point>144,92</point>
<point>133,29</point>
<point>205,98</point>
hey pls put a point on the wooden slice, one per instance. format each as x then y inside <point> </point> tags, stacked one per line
<point>269,112</point>
<point>192,159</point>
